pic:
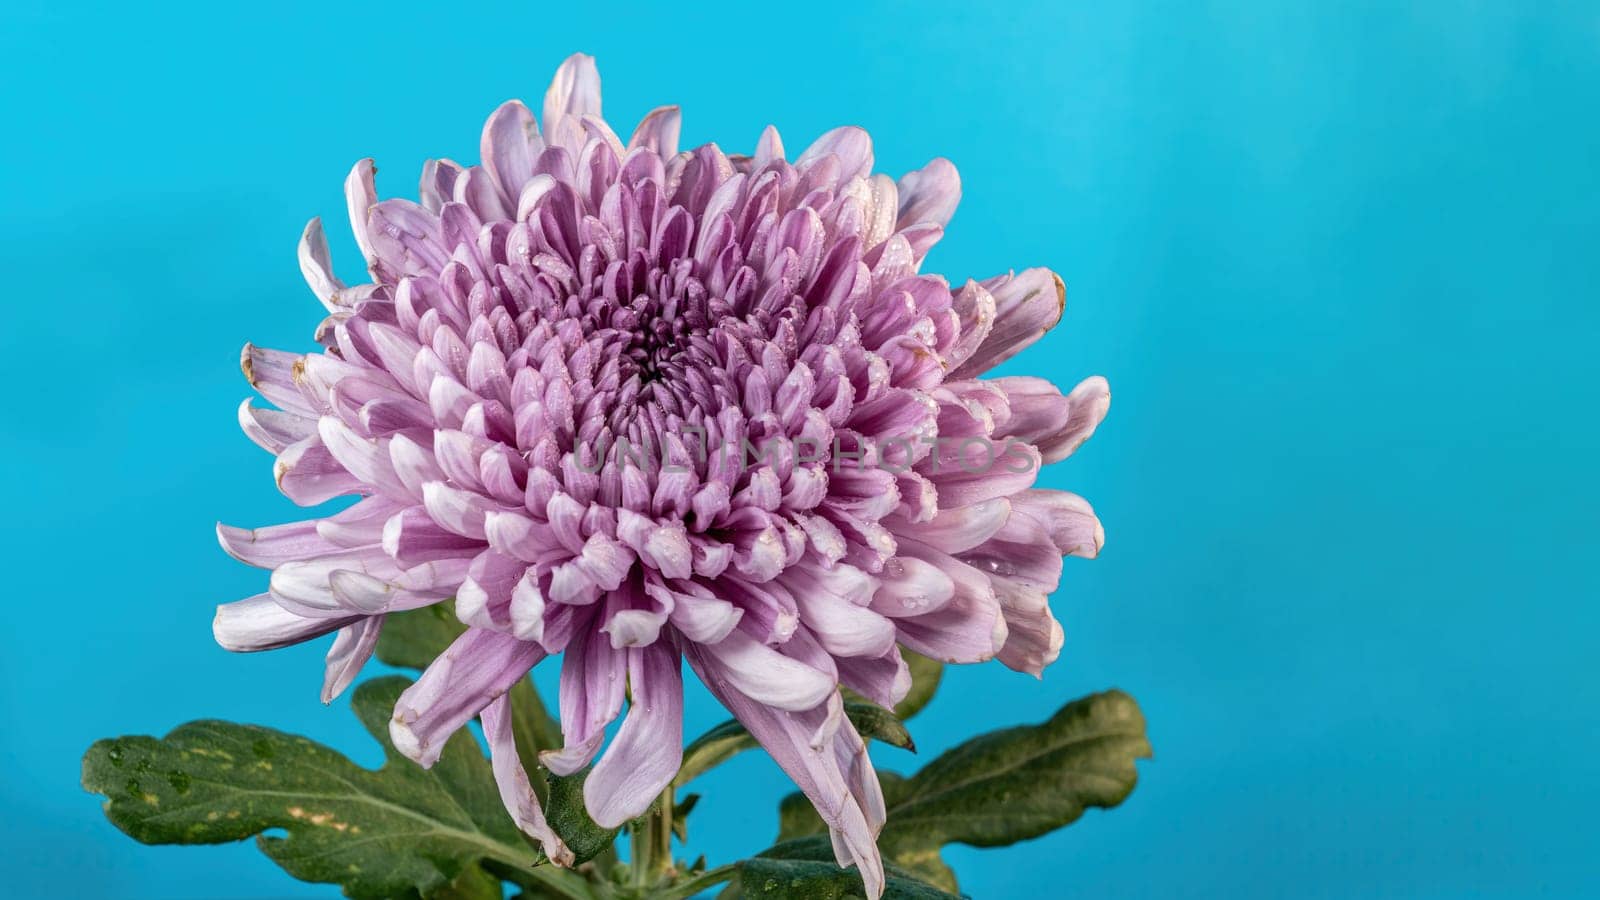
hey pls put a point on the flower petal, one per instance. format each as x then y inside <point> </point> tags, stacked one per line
<point>844,795</point>
<point>478,667</point>
<point>658,131</point>
<point>1026,305</point>
<point>510,143</point>
<point>767,676</point>
<point>643,759</point>
<point>349,653</point>
<point>516,790</point>
<point>259,623</point>
<point>929,194</point>
<point>593,678</point>
<point>574,93</point>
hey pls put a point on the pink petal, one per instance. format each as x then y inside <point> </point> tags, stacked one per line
<point>658,131</point>
<point>478,667</point>
<point>1026,305</point>
<point>259,623</point>
<point>643,759</point>
<point>516,791</point>
<point>349,653</point>
<point>929,194</point>
<point>1033,636</point>
<point>510,144</point>
<point>839,781</point>
<point>593,678</point>
<point>767,676</point>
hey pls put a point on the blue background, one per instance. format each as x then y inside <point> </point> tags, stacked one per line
<point>1338,260</point>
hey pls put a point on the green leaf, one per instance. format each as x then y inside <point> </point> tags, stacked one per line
<point>399,831</point>
<point>798,821</point>
<point>875,722</point>
<point>415,638</point>
<point>570,818</point>
<point>805,870</point>
<point>472,884</point>
<point>1001,787</point>
<point>1019,783</point>
<point>925,676</point>
<point>680,816</point>
<point>712,749</point>
<point>730,738</point>
<point>535,729</point>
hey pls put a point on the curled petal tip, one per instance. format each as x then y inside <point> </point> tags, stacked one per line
<point>407,743</point>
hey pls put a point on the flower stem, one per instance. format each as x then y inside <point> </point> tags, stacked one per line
<point>697,884</point>
<point>652,842</point>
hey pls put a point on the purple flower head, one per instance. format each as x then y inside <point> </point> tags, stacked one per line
<point>575,294</point>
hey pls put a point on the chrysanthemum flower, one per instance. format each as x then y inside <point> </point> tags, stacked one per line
<point>632,405</point>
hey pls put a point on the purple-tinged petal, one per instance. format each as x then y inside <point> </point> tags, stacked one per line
<point>1033,636</point>
<point>317,267</point>
<point>510,144</point>
<point>366,459</point>
<point>478,667</point>
<point>885,680</point>
<point>1068,519</point>
<point>956,528</point>
<point>274,545</point>
<point>259,623</point>
<point>437,185</point>
<point>767,676</point>
<point>658,131</point>
<point>273,430</point>
<point>360,524</point>
<point>929,194</point>
<point>1026,305</point>
<point>648,748</point>
<point>272,374</point>
<point>852,146</point>
<point>977,470</point>
<point>968,628</point>
<point>593,678</point>
<point>516,790</point>
<point>360,196</point>
<point>414,465</point>
<point>696,613</point>
<point>1057,425</point>
<point>833,605</point>
<point>574,93</point>
<point>768,148</point>
<point>484,598</point>
<point>306,586</point>
<point>308,474</point>
<point>411,536</point>
<point>1023,548</point>
<point>350,651</point>
<point>457,510</point>
<point>794,740</point>
<point>908,586</point>
<point>528,608</point>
